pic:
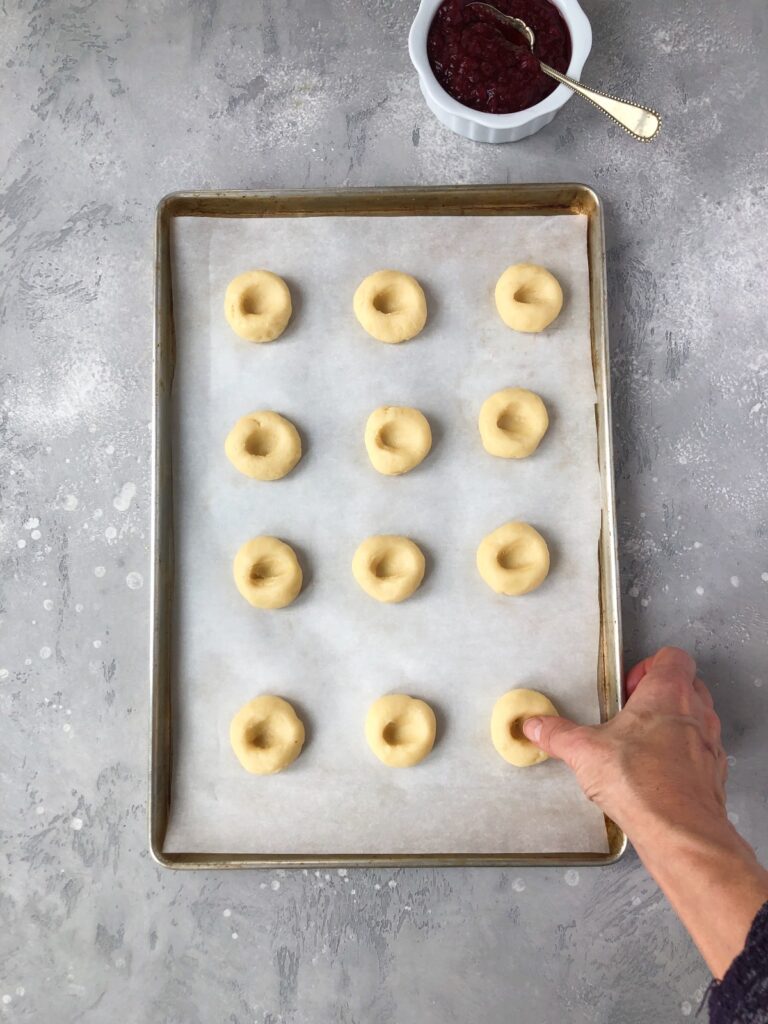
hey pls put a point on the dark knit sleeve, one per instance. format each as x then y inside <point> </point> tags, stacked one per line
<point>742,996</point>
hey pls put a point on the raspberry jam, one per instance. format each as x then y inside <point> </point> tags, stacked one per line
<point>487,65</point>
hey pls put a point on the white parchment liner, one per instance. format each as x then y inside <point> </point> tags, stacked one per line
<point>455,643</point>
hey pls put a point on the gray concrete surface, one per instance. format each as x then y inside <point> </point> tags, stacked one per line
<point>107,106</point>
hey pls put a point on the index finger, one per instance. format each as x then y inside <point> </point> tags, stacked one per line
<point>674,661</point>
<point>668,681</point>
<point>667,663</point>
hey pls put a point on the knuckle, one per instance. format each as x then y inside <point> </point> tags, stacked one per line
<point>712,722</point>
<point>703,694</point>
<point>681,691</point>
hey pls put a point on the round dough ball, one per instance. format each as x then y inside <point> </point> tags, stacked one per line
<point>266,735</point>
<point>391,306</point>
<point>400,730</point>
<point>263,445</point>
<point>513,559</point>
<point>257,305</point>
<point>528,297</point>
<point>397,439</point>
<point>267,573</point>
<point>512,423</point>
<point>388,568</point>
<point>509,713</point>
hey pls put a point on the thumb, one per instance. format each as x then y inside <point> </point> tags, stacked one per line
<point>558,737</point>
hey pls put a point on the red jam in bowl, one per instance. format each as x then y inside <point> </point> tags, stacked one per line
<point>488,65</point>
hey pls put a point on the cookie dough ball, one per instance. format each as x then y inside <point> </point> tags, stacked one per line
<point>512,423</point>
<point>263,445</point>
<point>391,306</point>
<point>514,559</point>
<point>266,735</point>
<point>257,305</point>
<point>509,713</point>
<point>388,568</point>
<point>397,439</point>
<point>267,573</point>
<point>528,297</point>
<point>400,730</point>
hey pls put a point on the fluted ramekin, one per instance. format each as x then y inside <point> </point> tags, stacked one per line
<point>475,124</point>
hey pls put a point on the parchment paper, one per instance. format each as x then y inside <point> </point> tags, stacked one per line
<point>455,643</point>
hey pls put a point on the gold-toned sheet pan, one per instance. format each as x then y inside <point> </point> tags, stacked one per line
<point>509,200</point>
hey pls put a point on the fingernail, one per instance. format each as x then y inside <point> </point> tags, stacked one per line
<point>532,729</point>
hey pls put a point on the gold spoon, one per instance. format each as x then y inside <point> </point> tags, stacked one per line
<point>641,123</point>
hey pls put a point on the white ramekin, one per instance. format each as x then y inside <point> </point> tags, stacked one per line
<point>475,124</point>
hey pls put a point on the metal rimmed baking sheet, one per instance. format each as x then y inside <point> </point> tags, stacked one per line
<point>169,691</point>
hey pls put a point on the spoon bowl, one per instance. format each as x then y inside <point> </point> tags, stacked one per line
<point>516,23</point>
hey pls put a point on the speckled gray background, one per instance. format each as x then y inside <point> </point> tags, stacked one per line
<point>107,106</point>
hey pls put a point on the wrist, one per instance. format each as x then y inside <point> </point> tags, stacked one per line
<point>714,882</point>
<point>667,848</point>
<point>661,826</point>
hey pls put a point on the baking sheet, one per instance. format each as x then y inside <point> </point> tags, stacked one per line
<point>333,652</point>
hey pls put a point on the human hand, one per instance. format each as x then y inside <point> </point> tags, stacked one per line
<point>660,762</point>
<point>658,769</point>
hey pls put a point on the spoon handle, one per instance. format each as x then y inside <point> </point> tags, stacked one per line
<point>641,122</point>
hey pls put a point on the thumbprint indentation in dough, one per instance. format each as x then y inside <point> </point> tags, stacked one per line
<point>251,301</point>
<point>510,423</point>
<point>266,735</point>
<point>257,305</point>
<point>388,568</point>
<point>391,565</point>
<point>509,713</point>
<point>265,571</point>
<point>401,731</point>
<point>512,557</point>
<point>528,297</point>
<point>394,436</point>
<point>260,443</point>
<point>528,293</point>
<point>397,438</point>
<point>386,302</point>
<point>516,730</point>
<point>263,445</point>
<point>390,306</point>
<point>261,736</point>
